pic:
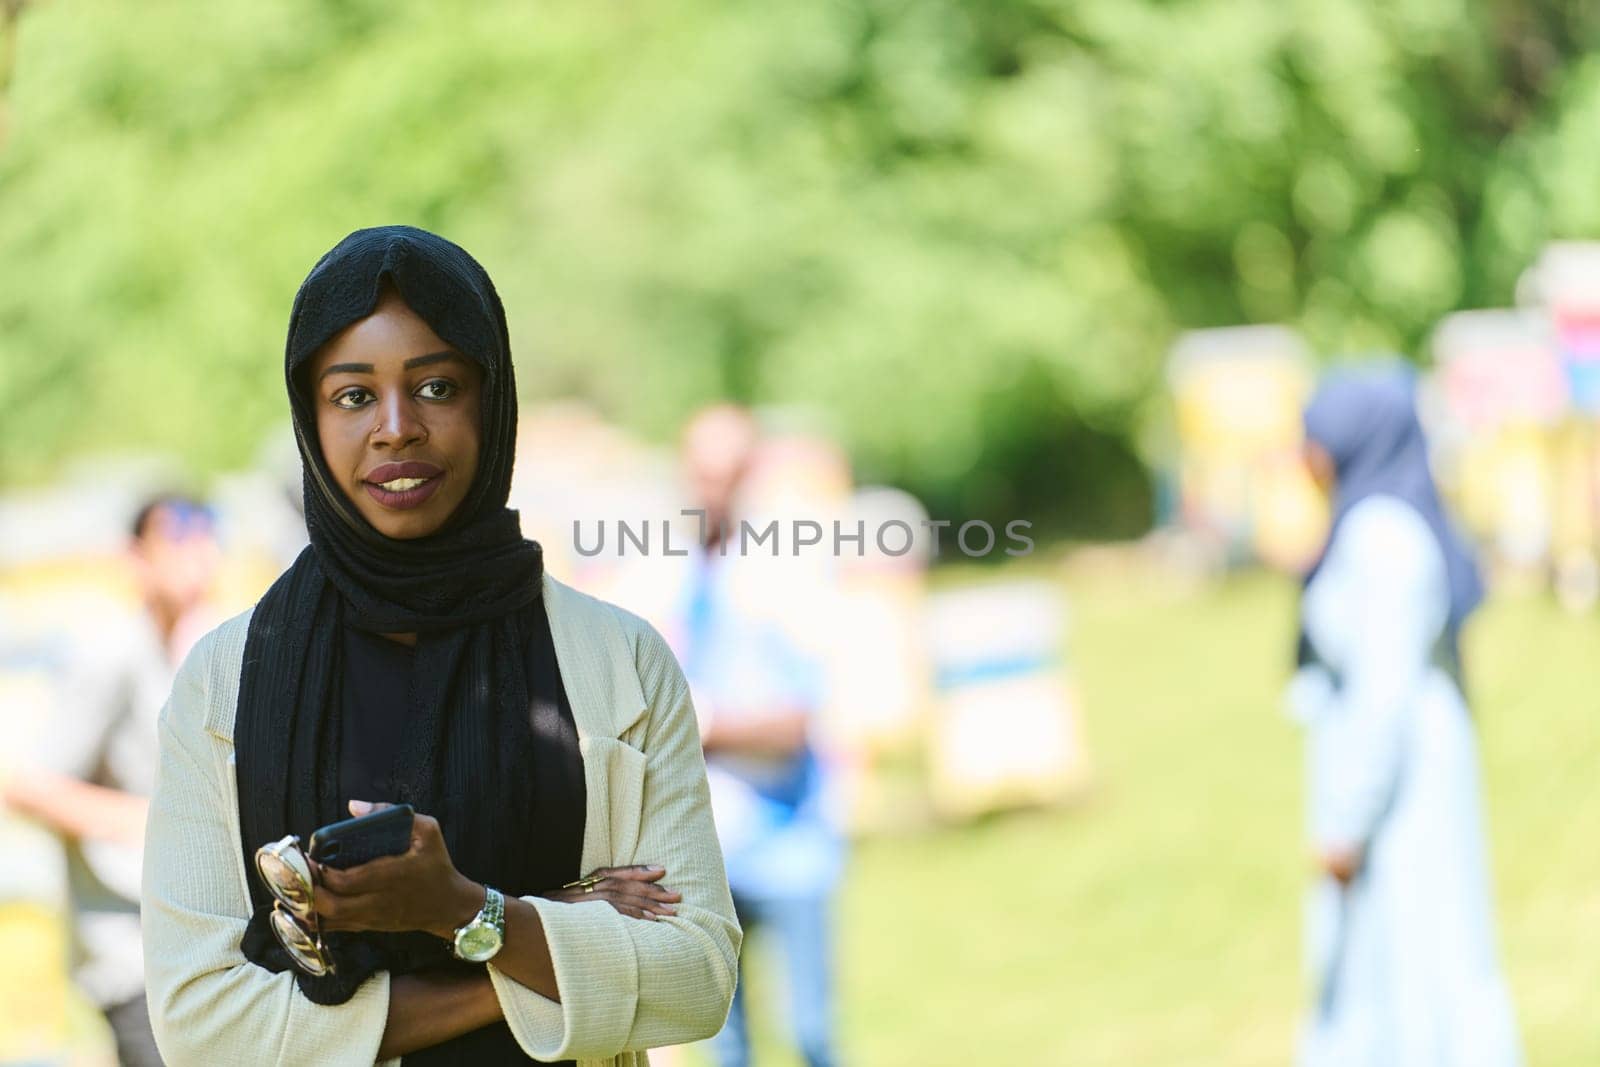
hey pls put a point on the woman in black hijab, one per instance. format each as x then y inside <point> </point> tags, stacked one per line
<point>416,653</point>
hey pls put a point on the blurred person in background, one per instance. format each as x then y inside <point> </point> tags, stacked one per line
<point>1401,925</point>
<point>758,696</point>
<point>96,766</point>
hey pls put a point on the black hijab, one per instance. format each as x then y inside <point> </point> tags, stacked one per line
<point>471,591</point>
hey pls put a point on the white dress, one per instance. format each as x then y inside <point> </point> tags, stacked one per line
<point>1403,961</point>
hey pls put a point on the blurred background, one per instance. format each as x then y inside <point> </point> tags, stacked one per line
<point>1078,265</point>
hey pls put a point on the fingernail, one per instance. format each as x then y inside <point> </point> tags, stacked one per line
<point>360,807</point>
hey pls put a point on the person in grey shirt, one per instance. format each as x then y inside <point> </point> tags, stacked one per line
<point>92,774</point>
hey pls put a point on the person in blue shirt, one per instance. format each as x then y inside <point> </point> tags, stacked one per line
<point>757,695</point>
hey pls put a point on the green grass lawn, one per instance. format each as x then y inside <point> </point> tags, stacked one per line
<point>1158,922</point>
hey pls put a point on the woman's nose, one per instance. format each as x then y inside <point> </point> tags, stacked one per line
<point>398,425</point>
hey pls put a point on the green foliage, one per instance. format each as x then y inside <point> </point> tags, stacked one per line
<point>924,218</point>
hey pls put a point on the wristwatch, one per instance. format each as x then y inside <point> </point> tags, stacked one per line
<point>479,940</point>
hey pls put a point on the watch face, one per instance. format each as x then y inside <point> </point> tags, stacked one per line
<point>478,942</point>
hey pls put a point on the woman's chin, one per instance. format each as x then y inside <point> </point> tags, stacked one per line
<point>408,526</point>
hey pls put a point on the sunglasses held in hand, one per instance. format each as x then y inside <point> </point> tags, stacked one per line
<point>287,873</point>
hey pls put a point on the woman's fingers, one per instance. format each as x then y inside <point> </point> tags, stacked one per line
<point>622,898</point>
<point>631,890</point>
<point>370,877</point>
<point>656,892</point>
<point>357,912</point>
<point>646,889</point>
<point>638,907</point>
<point>641,891</point>
<point>366,807</point>
<point>635,899</point>
<point>631,907</point>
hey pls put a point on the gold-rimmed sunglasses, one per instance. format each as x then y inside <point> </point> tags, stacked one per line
<point>284,869</point>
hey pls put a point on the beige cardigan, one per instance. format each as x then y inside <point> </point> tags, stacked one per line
<point>626,984</point>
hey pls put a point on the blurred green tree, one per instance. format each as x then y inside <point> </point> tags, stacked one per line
<point>965,231</point>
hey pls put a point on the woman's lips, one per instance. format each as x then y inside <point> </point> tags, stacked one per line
<point>405,498</point>
<point>402,485</point>
<point>411,468</point>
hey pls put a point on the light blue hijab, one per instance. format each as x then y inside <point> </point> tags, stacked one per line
<point>1366,419</point>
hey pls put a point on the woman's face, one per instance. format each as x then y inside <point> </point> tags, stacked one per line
<point>398,418</point>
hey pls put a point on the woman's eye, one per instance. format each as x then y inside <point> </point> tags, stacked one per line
<point>350,398</point>
<point>437,389</point>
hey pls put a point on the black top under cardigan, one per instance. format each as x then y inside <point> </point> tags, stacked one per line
<point>375,712</point>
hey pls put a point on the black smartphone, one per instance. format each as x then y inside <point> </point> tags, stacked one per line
<point>386,832</point>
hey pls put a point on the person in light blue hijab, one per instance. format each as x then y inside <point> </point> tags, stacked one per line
<point>1400,922</point>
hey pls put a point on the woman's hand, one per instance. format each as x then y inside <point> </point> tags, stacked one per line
<point>418,890</point>
<point>1341,864</point>
<point>631,890</point>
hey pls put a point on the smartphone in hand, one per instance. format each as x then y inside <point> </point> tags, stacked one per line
<point>352,842</point>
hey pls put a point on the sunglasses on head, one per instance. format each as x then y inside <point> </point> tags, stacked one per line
<point>286,872</point>
<point>190,519</point>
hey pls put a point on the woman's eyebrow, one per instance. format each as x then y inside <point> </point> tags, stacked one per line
<point>346,368</point>
<point>433,357</point>
<point>367,368</point>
